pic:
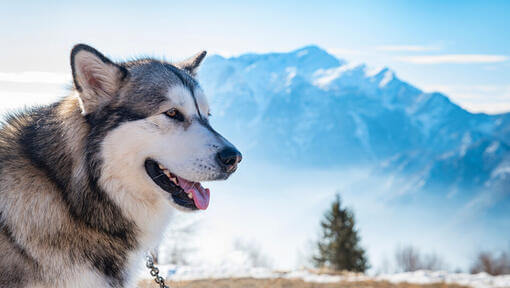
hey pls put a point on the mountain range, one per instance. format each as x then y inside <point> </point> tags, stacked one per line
<point>306,108</point>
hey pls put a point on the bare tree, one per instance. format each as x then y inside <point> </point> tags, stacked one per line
<point>410,259</point>
<point>253,253</point>
<point>178,254</point>
<point>432,262</point>
<point>177,245</point>
<point>489,263</point>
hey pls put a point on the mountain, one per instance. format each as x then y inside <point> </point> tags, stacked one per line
<point>308,108</point>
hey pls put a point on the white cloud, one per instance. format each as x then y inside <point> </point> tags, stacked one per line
<point>342,52</point>
<point>490,99</point>
<point>453,59</point>
<point>489,108</point>
<point>406,48</point>
<point>35,77</point>
<point>486,89</point>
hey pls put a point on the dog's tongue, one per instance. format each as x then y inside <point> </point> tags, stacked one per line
<point>200,194</point>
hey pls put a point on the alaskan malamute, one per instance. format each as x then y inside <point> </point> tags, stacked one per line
<point>87,183</point>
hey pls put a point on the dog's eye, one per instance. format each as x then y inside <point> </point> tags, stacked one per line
<point>175,114</point>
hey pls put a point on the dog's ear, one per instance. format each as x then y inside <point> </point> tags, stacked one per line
<point>191,64</point>
<point>96,78</point>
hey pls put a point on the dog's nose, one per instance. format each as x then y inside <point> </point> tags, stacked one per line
<point>228,159</point>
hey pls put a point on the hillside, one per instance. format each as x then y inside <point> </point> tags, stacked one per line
<point>307,108</point>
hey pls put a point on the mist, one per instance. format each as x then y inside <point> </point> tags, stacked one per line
<point>279,209</point>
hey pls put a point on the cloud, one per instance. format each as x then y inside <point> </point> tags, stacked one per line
<point>344,52</point>
<point>491,99</point>
<point>406,48</point>
<point>488,108</point>
<point>35,77</point>
<point>453,59</point>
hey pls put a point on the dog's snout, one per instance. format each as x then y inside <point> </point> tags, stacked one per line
<point>228,158</point>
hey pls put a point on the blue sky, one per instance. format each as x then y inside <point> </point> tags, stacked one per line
<point>456,47</point>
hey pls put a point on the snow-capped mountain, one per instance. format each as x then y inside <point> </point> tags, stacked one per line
<point>307,107</point>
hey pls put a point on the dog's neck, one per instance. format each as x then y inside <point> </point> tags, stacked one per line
<point>56,140</point>
<point>134,201</point>
<point>117,177</point>
<point>87,200</point>
<point>144,213</point>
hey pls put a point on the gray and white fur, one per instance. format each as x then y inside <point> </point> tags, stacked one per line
<point>78,207</point>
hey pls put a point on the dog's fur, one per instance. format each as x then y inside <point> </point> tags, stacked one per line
<point>77,208</point>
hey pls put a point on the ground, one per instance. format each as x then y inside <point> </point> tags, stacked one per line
<point>286,283</point>
<point>238,276</point>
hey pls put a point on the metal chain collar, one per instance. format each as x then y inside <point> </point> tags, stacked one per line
<point>155,272</point>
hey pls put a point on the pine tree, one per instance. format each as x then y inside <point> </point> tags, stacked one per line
<point>339,246</point>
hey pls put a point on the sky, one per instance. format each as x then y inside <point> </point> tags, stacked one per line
<point>459,48</point>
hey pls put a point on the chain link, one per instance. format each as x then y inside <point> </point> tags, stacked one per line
<point>155,272</point>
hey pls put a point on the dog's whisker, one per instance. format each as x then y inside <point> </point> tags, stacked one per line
<point>159,176</point>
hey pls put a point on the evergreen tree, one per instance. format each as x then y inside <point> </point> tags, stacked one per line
<point>339,247</point>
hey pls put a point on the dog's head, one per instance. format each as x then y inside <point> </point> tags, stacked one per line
<point>149,122</point>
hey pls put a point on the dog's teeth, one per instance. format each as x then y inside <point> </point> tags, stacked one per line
<point>161,167</point>
<point>174,180</point>
<point>167,173</point>
<point>190,195</point>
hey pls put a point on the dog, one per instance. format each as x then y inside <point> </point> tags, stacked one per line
<point>87,184</point>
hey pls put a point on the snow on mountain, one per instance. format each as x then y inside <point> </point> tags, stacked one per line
<point>306,107</point>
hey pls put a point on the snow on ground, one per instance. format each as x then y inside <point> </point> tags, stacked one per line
<point>481,280</point>
<point>185,273</point>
